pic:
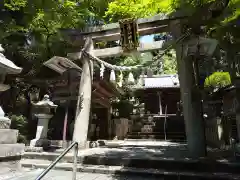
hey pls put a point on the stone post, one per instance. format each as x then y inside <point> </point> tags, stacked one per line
<point>191,102</point>
<point>85,92</point>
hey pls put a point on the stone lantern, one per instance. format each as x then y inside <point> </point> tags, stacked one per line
<point>43,111</point>
<point>8,137</point>
<point>6,67</point>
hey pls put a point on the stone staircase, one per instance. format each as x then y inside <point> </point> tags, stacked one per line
<point>159,159</point>
<point>155,127</point>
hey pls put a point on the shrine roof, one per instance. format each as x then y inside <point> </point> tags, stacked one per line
<point>162,81</point>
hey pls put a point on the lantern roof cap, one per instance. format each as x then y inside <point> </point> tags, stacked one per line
<point>7,65</point>
<point>2,115</point>
<point>46,102</point>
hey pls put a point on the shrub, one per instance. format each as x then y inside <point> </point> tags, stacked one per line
<point>19,122</point>
<point>218,80</point>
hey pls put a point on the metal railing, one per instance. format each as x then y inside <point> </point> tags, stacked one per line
<point>51,166</point>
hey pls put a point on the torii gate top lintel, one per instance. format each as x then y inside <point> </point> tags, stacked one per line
<point>111,32</point>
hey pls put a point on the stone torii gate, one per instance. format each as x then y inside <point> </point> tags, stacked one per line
<point>157,24</point>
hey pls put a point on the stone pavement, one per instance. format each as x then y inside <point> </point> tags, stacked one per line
<point>140,148</point>
<point>67,175</point>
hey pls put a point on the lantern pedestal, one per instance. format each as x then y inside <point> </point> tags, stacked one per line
<point>10,149</point>
<point>42,130</point>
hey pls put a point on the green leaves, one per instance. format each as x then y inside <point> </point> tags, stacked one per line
<point>166,65</point>
<point>38,23</point>
<point>119,9</point>
<point>218,80</point>
<point>15,5</point>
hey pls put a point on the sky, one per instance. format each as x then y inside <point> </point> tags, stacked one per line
<point>147,39</point>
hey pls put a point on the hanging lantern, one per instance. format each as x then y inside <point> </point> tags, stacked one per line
<point>129,35</point>
<point>120,79</point>
<point>131,79</point>
<point>112,76</point>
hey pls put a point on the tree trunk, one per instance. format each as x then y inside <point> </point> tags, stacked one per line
<point>84,96</point>
<point>237,107</point>
<point>231,65</point>
<point>191,100</point>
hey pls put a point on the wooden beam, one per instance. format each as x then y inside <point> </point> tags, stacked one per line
<point>100,99</point>
<point>142,32</point>
<point>102,90</point>
<point>111,32</point>
<point>99,95</point>
<point>59,98</point>
<point>159,19</point>
<point>101,102</point>
<point>117,51</point>
<point>110,87</point>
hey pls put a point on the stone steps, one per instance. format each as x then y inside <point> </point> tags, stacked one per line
<point>41,160</point>
<point>50,156</point>
<point>116,170</point>
<point>160,158</point>
<point>149,127</point>
<point>157,135</point>
<point>11,150</point>
<point>165,164</point>
<point>154,132</point>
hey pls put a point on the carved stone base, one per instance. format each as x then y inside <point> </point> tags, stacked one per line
<point>5,124</point>
<point>8,136</point>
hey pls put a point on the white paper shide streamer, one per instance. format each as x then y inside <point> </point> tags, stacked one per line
<point>112,76</point>
<point>102,69</point>
<point>131,79</point>
<point>120,83</point>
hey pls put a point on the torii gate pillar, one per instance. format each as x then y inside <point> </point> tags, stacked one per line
<point>84,98</point>
<point>191,105</point>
